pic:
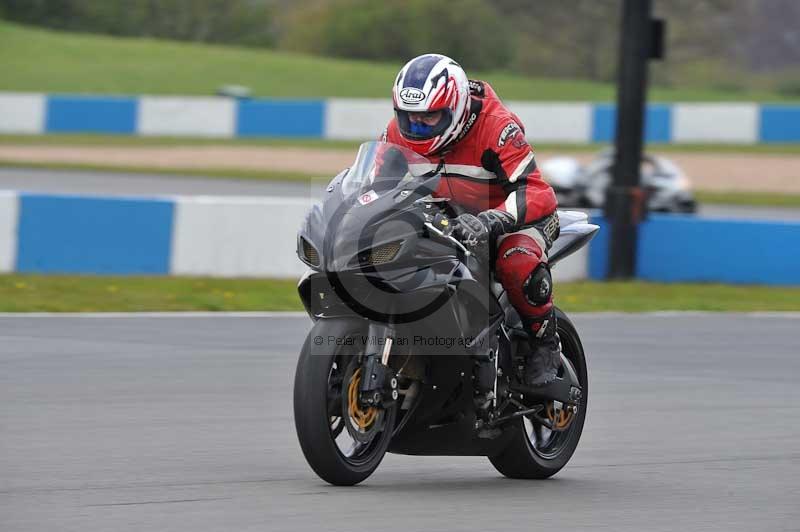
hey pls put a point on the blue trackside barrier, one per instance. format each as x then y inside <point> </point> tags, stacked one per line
<point>684,248</point>
<point>226,237</point>
<point>657,123</point>
<point>779,123</point>
<point>73,234</point>
<point>67,114</point>
<point>266,118</point>
<point>346,119</point>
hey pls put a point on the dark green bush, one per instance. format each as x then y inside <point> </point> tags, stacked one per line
<point>470,31</point>
<point>230,21</point>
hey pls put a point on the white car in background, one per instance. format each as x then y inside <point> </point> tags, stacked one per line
<point>667,187</point>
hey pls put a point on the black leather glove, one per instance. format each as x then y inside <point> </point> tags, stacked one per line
<point>479,233</point>
<point>471,231</point>
<point>497,223</point>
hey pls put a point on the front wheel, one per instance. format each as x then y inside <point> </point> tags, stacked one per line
<point>535,452</point>
<point>342,441</point>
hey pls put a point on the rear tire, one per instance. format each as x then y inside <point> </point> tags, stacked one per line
<point>520,459</point>
<point>312,417</point>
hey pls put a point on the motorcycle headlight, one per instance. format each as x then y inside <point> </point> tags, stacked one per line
<point>380,254</point>
<point>310,254</point>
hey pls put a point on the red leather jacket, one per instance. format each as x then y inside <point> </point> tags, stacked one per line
<point>491,166</point>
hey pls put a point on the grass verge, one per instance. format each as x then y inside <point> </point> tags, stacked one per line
<point>221,173</point>
<point>751,199</point>
<point>70,293</point>
<point>134,141</point>
<point>638,296</point>
<point>45,293</point>
<point>44,60</point>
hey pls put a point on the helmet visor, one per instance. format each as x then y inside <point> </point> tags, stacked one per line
<point>420,126</point>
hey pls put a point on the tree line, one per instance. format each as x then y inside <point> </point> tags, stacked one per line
<point>240,22</point>
<point>728,43</point>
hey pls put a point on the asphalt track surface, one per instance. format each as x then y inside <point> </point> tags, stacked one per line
<point>133,184</point>
<point>177,423</point>
<point>136,184</point>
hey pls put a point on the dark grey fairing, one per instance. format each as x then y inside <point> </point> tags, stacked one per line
<point>343,233</point>
<point>341,227</point>
<point>429,282</point>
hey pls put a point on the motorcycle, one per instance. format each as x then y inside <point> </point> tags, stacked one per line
<point>415,348</point>
<point>666,185</point>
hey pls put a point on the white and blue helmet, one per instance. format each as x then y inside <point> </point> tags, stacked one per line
<point>429,83</point>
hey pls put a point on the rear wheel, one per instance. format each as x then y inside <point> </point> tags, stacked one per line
<point>342,441</point>
<point>535,451</point>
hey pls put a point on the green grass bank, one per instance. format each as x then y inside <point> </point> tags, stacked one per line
<point>35,59</point>
<point>45,293</point>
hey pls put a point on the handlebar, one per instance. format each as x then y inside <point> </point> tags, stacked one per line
<point>432,219</point>
<point>451,238</point>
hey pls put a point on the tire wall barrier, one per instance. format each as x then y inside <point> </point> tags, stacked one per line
<point>358,119</point>
<point>256,237</point>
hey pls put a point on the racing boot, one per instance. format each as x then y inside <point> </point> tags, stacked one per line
<point>544,360</point>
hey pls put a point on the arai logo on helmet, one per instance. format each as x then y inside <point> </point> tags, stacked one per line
<point>412,95</point>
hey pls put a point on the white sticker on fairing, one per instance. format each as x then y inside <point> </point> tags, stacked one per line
<point>508,133</point>
<point>367,197</point>
<point>412,95</point>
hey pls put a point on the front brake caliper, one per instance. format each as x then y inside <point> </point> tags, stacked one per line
<point>378,386</point>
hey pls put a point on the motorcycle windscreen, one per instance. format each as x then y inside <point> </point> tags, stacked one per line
<point>381,167</point>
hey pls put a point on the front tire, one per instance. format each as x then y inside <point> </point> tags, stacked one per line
<point>318,400</point>
<point>523,458</point>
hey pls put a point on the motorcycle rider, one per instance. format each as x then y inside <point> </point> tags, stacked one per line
<point>489,170</point>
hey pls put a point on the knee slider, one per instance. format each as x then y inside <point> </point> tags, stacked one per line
<point>538,286</point>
